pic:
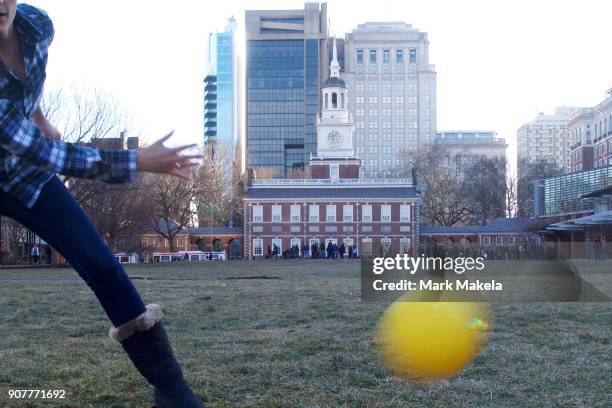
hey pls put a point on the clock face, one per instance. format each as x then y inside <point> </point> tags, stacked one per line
<point>334,138</point>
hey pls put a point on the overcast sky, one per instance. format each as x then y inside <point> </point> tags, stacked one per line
<point>498,62</point>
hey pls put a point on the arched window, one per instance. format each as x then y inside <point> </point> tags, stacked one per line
<point>342,100</point>
<point>326,100</point>
<point>334,101</point>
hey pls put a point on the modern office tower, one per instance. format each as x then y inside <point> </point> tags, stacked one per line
<point>463,148</point>
<point>287,59</point>
<point>545,139</point>
<point>591,135</point>
<point>392,90</point>
<point>222,99</point>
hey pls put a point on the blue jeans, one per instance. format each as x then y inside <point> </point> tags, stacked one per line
<point>59,220</point>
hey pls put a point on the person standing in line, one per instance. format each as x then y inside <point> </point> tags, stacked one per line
<point>589,249</point>
<point>35,254</point>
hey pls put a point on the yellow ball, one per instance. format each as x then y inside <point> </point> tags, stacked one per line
<point>425,341</point>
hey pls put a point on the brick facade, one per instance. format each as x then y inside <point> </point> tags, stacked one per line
<point>395,232</point>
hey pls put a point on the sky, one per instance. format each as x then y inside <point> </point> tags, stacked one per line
<point>498,63</point>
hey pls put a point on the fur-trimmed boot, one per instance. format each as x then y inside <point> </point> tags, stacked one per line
<point>146,343</point>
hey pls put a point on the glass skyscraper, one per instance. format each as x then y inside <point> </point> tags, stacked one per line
<point>222,124</point>
<point>286,60</point>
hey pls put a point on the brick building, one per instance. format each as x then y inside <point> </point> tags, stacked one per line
<point>591,133</point>
<point>334,205</point>
<point>500,232</point>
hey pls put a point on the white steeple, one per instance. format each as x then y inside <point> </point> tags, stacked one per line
<point>334,67</point>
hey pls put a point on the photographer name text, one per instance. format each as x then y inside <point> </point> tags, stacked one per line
<point>407,285</point>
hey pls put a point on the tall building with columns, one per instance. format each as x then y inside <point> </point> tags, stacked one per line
<point>393,94</point>
<point>379,216</point>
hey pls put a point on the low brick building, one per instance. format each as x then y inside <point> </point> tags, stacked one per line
<point>192,239</point>
<point>376,215</point>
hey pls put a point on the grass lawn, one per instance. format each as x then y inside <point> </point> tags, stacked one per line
<point>304,340</point>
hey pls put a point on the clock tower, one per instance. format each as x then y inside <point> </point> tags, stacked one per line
<point>335,146</point>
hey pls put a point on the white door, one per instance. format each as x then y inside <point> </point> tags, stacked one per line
<point>296,241</point>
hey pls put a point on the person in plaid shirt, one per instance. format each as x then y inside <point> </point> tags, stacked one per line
<point>31,154</point>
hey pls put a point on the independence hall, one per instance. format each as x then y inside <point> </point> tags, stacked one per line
<point>379,216</point>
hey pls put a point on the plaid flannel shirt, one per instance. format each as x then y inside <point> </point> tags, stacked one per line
<point>27,158</point>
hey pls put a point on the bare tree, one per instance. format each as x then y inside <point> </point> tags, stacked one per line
<point>511,194</point>
<point>529,173</point>
<point>82,115</point>
<point>13,237</point>
<point>90,117</point>
<point>120,212</point>
<point>484,188</point>
<point>443,204</point>
<point>214,201</point>
<point>174,202</point>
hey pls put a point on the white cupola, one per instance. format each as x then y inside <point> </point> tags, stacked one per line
<point>335,95</point>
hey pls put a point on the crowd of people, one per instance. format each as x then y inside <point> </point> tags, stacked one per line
<point>316,251</point>
<point>525,250</point>
<point>595,250</point>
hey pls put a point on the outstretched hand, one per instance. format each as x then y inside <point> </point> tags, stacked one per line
<point>158,158</point>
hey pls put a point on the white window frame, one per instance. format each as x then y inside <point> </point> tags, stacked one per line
<point>365,241</point>
<point>313,240</point>
<point>499,240</point>
<point>258,244</point>
<point>405,212</point>
<point>404,242</point>
<point>277,213</point>
<point>347,213</point>
<point>385,213</point>
<point>279,244</point>
<point>296,213</point>
<point>313,213</point>
<point>299,245</point>
<point>366,213</point>
<point>486,240</point>
<point>334,171</point>
<point>511,240</point>
<point>258,213</point>
<point>330,213</point>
